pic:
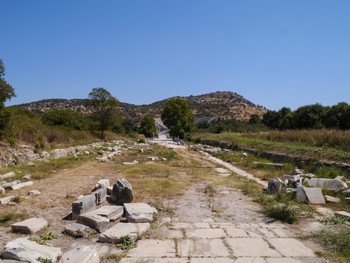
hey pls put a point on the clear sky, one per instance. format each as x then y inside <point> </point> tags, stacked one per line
<point>274,53</point>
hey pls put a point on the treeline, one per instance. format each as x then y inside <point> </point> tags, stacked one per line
<point>313,116</point>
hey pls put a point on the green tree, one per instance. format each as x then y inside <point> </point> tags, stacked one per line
<point>178,118</point>
<point>105,106</point>
<point>6,90</point>
<point>148,126</point>
<point>67,118</point>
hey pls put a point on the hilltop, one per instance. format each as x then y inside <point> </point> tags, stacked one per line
<point>221,104</point>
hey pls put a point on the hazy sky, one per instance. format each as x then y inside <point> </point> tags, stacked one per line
<point>274,53</point>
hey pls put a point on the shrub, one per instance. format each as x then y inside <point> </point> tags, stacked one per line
<point>126,243</point>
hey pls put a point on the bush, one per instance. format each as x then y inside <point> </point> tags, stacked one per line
<point>284,212</point>
<point>67,118</point>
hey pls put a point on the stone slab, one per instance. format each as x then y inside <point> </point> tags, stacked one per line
<point>29,226</point>
<point>250,260</point>
<point>78,230</point>
<point>25,250</point>
<point>151,248</point>
<point>331,199</point>
<point>21,185</point>
<point>202,248</point>
<point>282,260</point>
<point>328,184</point>
<point>235,232</point>
<point>83,205</point>
<point>114,234</point>
<point>251,247</point>
<point>10,184</point>
<point>343,214</point>
<point>291,247</point>
<point>7,175</point>
<point>90,219</point>
<point>155,260</point>
<point>205,233</point>
<point>216,260</point>
<point>112,212</point>
<point>314,196</point>
<point>7,200</point>
<point>140,212</point>
<point>301,196</point>
<point>82,254</point>
<point>100,195</point>
<point>34,192</point>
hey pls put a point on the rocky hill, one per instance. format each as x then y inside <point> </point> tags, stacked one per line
<point>223,105</point>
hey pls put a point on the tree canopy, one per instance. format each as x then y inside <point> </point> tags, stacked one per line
<point>105,106</point>
<point>6,90</point>
<point>178,117</point>
<point>148,126</point>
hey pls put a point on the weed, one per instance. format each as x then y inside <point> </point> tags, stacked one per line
<point>9,216</point>
<point>284,212</point>
<point>333,220</point>
<point>126,243</point>
<point>116,257</point>
<point>43,238</point>
<point>209,190</point>
<point>44,260</point>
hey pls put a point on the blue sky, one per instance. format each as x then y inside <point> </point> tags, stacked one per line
<point>274,53</point>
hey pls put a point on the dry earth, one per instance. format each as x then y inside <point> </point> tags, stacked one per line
<point>222,226</point>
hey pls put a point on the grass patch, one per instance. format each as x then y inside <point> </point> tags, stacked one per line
<point>126,243</point>
<point>7,217</point>
<point>209,190</point>
<point>43,238</point>
<point>44,260</point>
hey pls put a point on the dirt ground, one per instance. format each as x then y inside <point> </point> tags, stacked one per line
<point>224,205</point>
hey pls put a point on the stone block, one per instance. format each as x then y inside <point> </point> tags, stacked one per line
<point>301,196</point>
<point>7,200</point>
<point>114,234</point>
<point>314,195</point>
<point>90,219</point>
<point>29,226</point>
<point>102,183</point>
<point>7,175</point>
<point>122,192</point>
<point>81,254</point>
<point>10,184</point>
<point>328,184</point>
<point>78,230</point>
<point>140,212</point>
<point>100,195</point>
<point>83,205</point>
<point>34,192</point>
<point>251,247</point>
<point>25,250</point>
<point>343,214</point>
<point>112,212</point>
<point>331,199</point>
<point>21,185</point>
<point>274,186</point>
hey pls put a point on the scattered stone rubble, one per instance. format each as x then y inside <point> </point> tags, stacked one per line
<point>308,188</point>
<point>90,220</point>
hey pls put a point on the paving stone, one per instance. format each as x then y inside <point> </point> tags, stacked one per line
<point>173,233</point>
<point>279,232</point>
<point>90,219</point>
<point>154,249</point>
<point>216,260</point>
<point>266,232</point>
<point>314,195</point>
<point>201,225</point>
<point>251,247</point>
<point>155,260</point>
<point>282,260</point>
<point>78,230</point>
<point>290,247</point>
<point>21,185</point>
<point>112,212</point>
<point>139,212</point>
<point>83,205</point>
<point>29,226</point>
<point>180,225</point>
<point>250,260</point>
<point>202,248</point>
<point>235,232</point>
<point>119,230</point>
<point>205,233</point>
<point>82,254</point>
<point>25,250</point>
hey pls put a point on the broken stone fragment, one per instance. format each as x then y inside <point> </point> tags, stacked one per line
<point>140,212</point>
<point>2,190</point>
<point>122,192</point>
<point>27,177</point>
<point>328,184</point>
<point>331,199</point>
<point>83,205</point>
<point>314,195</point>
<point>102,183</point>
<point>25,250</point>
<point>112,212</point>
<point>7,200</point>
<point>10,184</point>
<point>21,185</point>
<point>343,214</point>
<point>115,233</point>
<point>274,186</point>
<point>7,175</point>
<point>78,230</point>
<point>29,226</point>
<point>347,200</point>
<point>81,254</point>
<point>100,195</point>
<point>34,192</point>
<point>97,222</point>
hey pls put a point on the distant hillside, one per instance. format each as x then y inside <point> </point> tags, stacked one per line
<point>223,105</point>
